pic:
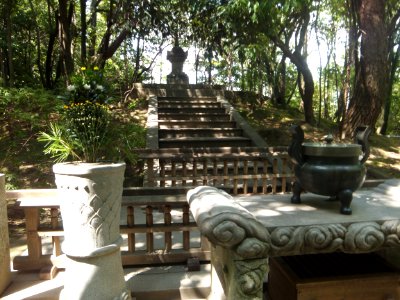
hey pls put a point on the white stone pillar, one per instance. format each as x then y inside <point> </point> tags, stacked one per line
<point>90,202</point>
<point>5,277</point>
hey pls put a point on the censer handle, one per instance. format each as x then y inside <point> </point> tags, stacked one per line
<point>295,149</point>
<point>361,137</point>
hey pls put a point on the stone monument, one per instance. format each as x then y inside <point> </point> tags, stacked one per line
<point>5,272</point>
<point>177,57</point>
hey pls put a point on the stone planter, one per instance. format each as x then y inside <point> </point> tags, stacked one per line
<point>90,203</point>
<point>5,277</point>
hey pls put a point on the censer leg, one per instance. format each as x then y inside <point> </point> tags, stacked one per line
<point>297,189</point>
<point>345,198</point>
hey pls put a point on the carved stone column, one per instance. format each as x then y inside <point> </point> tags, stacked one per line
<point>240,243</point>
<point>90,202</point>
<point>177,57</point>
<point>5,272</point>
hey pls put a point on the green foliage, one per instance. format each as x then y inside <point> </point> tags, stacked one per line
<point>89,85</point>
<point>91,142</point>
<point>57,144</point>
<point>394,118</point>
<point>24,113</point>
<point>87,131</point>
<point>26,105</point>
<point>81,133</point>
<point>135,103</point>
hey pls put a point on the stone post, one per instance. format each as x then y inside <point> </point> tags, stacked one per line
<point>90,203</point>
<point>177,57</point>
<point>240,244</point>
<point>5,277</point>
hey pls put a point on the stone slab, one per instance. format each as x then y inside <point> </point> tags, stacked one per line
<point>168,282</point>
<point>164,282</point>
<point>378,204</point>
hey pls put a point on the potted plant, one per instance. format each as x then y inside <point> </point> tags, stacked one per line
<point>90,187</point>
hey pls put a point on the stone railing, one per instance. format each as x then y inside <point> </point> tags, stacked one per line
<point>157,229</point>
<point>245,231</point>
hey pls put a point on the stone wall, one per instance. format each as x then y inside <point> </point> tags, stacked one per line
<point>5,272</point>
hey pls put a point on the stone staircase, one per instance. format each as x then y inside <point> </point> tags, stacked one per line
<point>192,122</point>
<point>189,118</point>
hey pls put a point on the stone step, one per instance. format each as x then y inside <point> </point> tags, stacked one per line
<point>189,99</point>
<point>199,132</point>
<point>178,90</point>
<point>169,283</point>
<point>185,104</point>
<point>169,124</point>
<point>162,283</point>
<point>205,142</point>
<point>194,117</point>
<point>192,110</point>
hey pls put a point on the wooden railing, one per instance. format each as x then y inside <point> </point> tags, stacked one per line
<point>156,229</point>
<point>155,221</point>
<point>237,170</point>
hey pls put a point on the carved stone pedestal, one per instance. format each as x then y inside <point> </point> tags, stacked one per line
<point>5,277</point>
<point>246,230</point>
<point>240,244</point>
<point>90,202</point>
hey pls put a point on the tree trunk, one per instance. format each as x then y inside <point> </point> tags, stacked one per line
<point>107,50</point>
<point>83,31</point>
<point>93,28</point>
<point>307,90</point>
<point>9,45</point>
<point>38,46</point>
<point>65,17</point>
<point>372,72</point>
<point>138,53</point>
<point>394,62</point>
<point>306,81</point>
<point>280,83</point>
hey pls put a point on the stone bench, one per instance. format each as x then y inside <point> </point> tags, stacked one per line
<point>244,231</point>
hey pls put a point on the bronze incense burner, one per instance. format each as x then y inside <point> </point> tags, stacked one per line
<point>329,169</point>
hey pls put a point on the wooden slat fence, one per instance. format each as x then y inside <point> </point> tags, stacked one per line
<point>156,224</point>
<point>157,229</point>
<point>237,170</point>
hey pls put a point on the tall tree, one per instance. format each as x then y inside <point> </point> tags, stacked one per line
<point>393,15</point>
<point>83,31</point>
<point>66,10</point>
<point>371,73</point>
<point>280,21</point>
<point>7,45</point>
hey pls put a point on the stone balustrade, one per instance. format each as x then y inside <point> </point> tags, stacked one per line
<point>245,230</point>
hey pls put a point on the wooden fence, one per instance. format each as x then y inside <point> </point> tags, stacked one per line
<point>237,170</point>
<point>155,221</point>
<point>157,229</point>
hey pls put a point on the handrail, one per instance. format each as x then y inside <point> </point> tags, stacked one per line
<point>235,169</point>
<point>155,216</point>
<point>161,207</point>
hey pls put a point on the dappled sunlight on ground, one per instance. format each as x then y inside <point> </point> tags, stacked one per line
<point>25,287</point>
<point>386,161</point>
